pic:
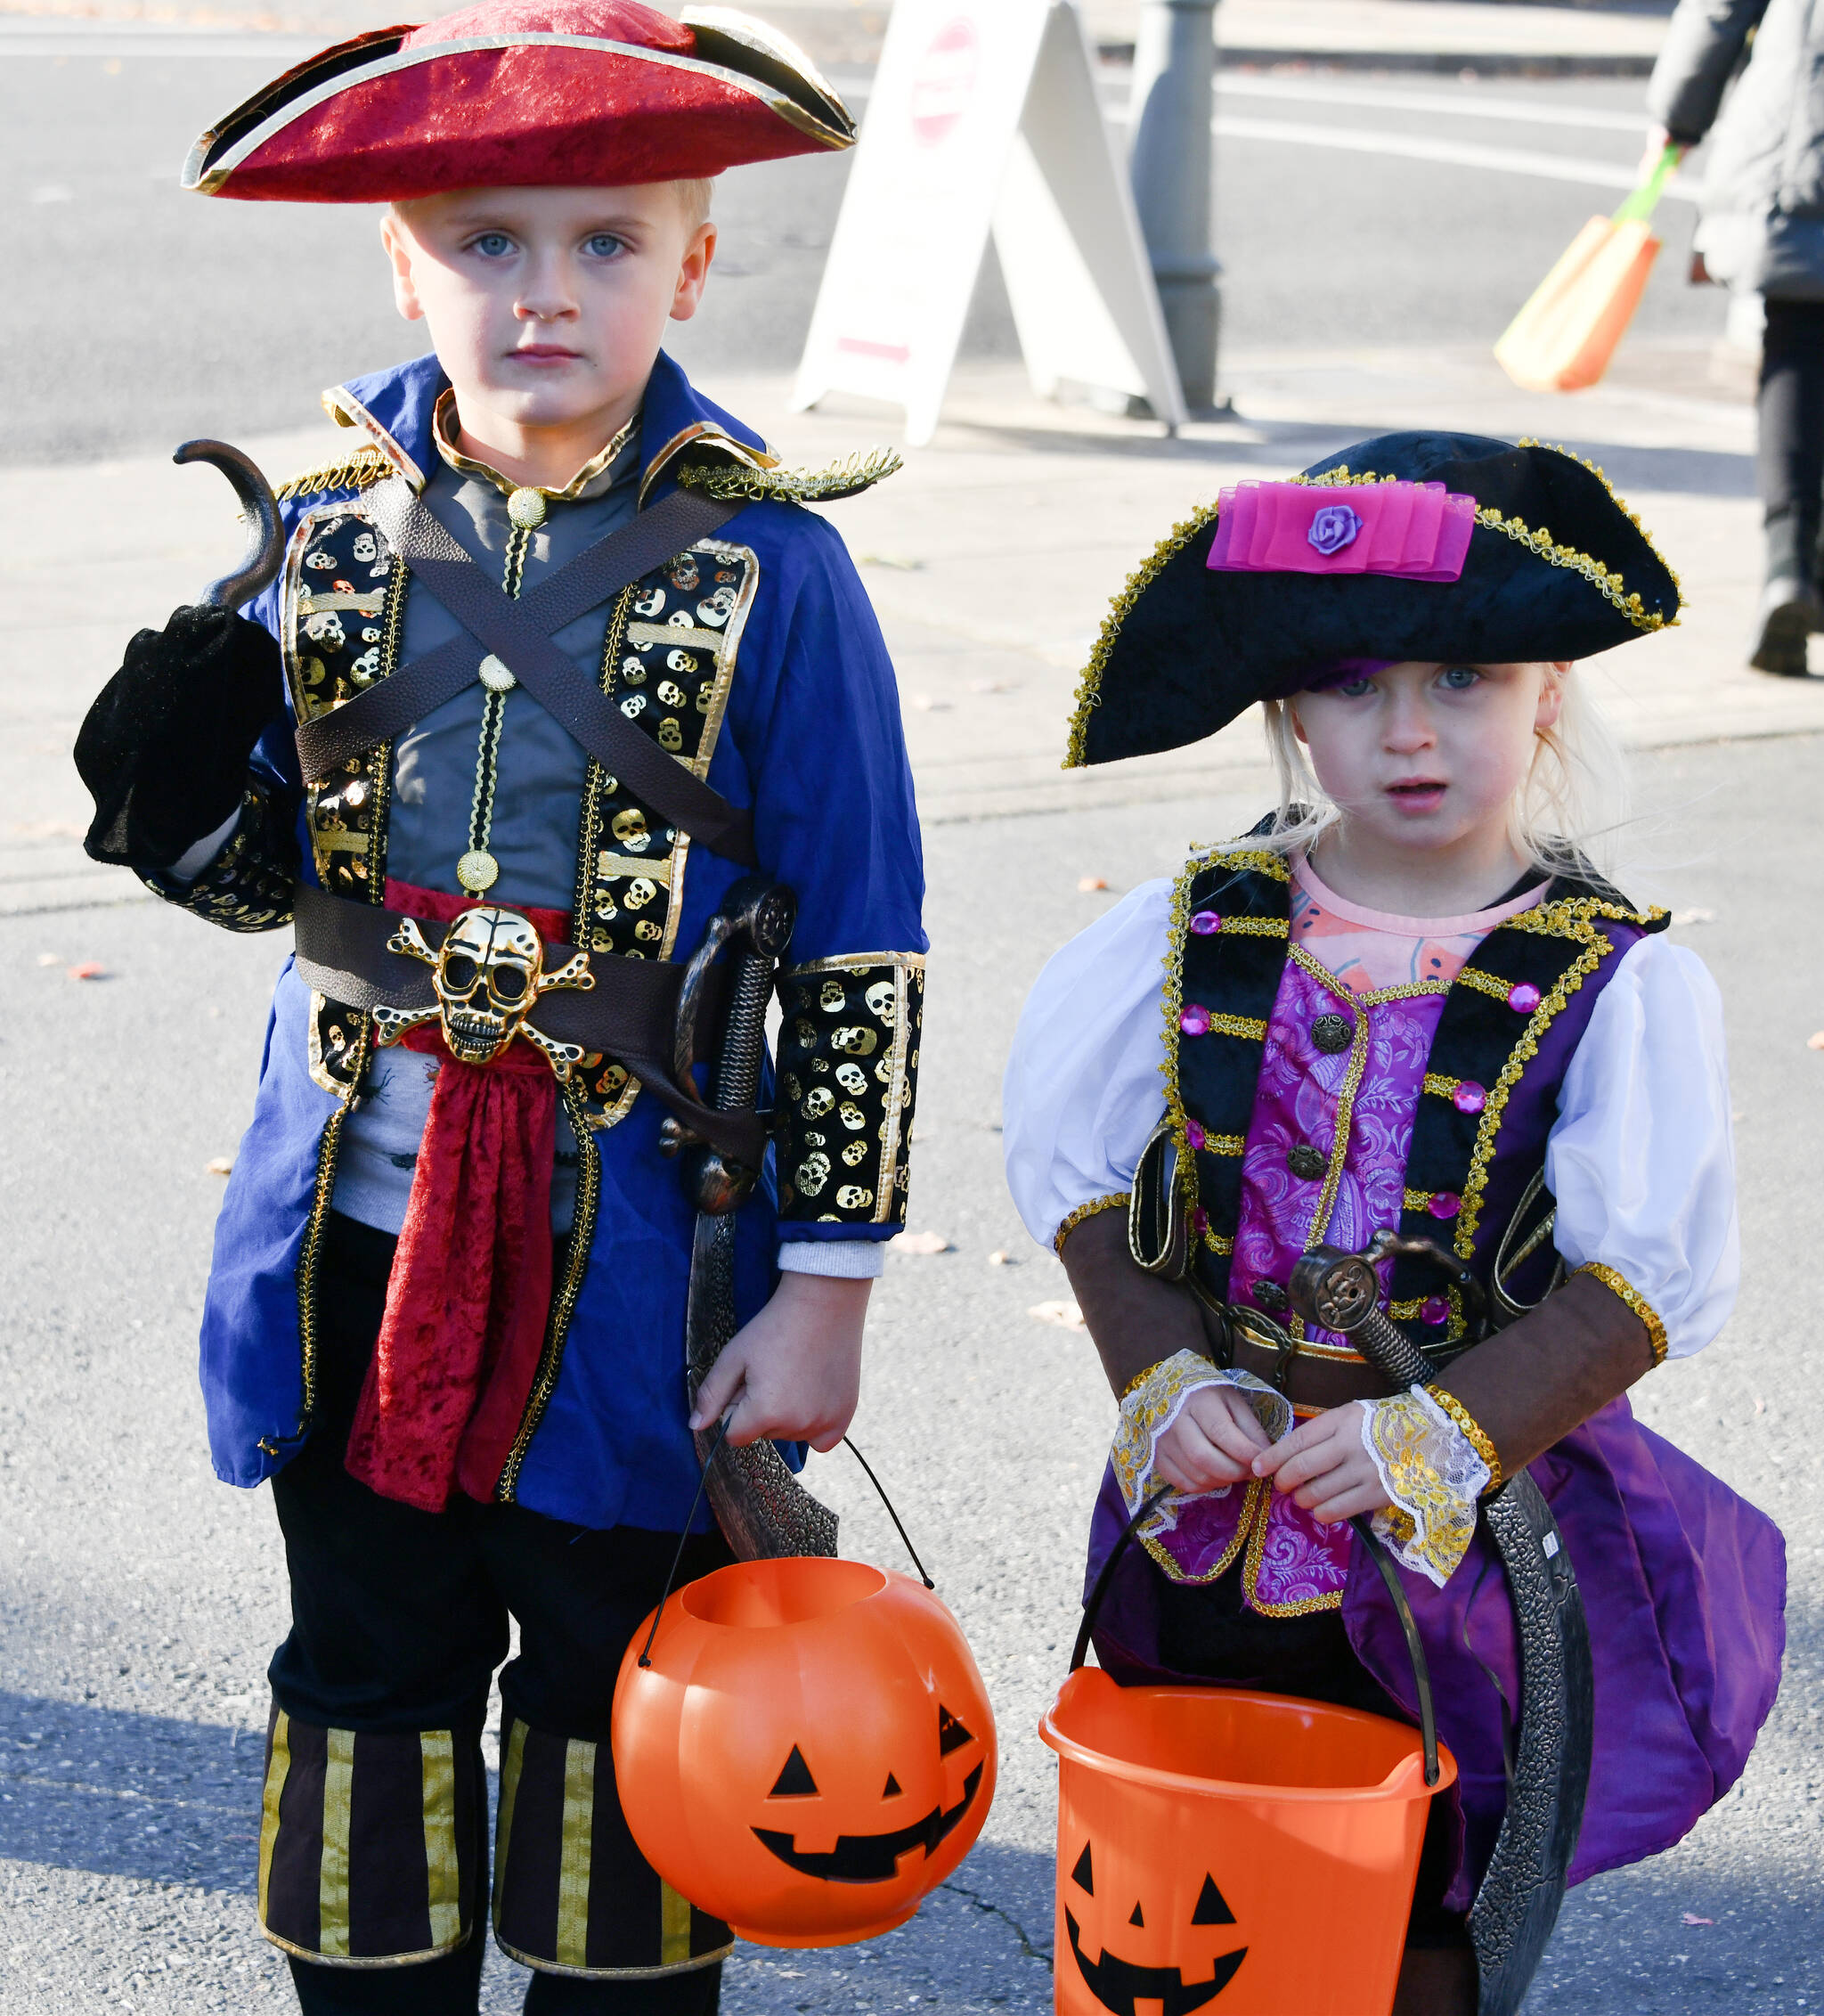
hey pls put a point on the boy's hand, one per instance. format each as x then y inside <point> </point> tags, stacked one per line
<point>1324,1466</point>
<point>1213,1443</point>
<point>793,1375</point>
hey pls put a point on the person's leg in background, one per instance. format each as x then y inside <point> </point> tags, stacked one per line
<point>574,1897</point>
<point>1790,465</point>
<point>374,1835</point>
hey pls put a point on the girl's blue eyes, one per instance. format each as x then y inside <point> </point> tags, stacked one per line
<point>1454,679</point>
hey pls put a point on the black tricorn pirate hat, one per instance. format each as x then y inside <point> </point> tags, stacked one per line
<point>1434,547</point>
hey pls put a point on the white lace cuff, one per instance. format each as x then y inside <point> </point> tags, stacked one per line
<point>1431,1471</point>
<point>1150,1407</point>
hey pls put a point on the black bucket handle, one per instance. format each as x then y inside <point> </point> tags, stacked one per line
<point>690,1520</point>
<point>1378,1553</point>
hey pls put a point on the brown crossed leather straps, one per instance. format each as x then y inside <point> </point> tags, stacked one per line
<point>520,633</point>
<point>628,1015</point>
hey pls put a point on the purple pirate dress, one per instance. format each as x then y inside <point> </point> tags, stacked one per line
<point>1503,1110</point>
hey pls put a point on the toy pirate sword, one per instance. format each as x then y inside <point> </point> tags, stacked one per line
<point>1549,1775</point>
<point>760,1505</point>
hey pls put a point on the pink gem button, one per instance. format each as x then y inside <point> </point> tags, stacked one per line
<point>1205,922</point>
<point>1434,1310</point>
<point>1201,1219</point>
<point>1194,1134</point>
<point>1469,1097</point>
<point>1444,1203</point>
<point>1524,998</point>
<point>1194,1020</point>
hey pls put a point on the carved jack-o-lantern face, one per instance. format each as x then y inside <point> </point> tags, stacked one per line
<point>811,1752</point>
<point>1160,1948</point>
<point>899,1829</point>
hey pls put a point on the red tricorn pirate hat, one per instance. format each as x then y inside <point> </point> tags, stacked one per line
<point>537,93</point>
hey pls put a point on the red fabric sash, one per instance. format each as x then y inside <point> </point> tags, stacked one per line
<point>470,1289</point>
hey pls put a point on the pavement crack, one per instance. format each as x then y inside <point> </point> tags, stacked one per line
<point>1027,1949</point>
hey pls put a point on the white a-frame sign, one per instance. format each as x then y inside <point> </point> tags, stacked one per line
<point>984,115</point>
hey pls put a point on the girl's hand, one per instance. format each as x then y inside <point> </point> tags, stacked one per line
<point>1214,1440</point>
<point>793,1375</point>
<point>1325,1468</point>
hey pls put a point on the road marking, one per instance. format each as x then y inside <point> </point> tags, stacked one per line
<point>1461,154</point>
<point>1467,103</point>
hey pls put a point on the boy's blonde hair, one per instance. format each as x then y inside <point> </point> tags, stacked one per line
<point>1567,815</point>
<point>694,197</point>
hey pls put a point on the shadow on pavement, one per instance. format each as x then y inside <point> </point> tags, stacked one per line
<point>121,1794</point>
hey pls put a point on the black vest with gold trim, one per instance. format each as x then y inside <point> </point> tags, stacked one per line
<point>1511,1020</point>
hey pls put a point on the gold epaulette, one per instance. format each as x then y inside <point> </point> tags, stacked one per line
<point>846,479</point>
<point>359,470</point>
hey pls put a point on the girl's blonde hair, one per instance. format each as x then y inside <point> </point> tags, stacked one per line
<point>1567,815</point>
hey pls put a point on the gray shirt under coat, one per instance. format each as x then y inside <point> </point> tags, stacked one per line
<point>538,800</point>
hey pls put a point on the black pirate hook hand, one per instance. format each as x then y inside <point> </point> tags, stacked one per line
<point>165,748</point>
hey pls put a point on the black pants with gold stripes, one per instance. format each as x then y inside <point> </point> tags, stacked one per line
<point>373,1867</point>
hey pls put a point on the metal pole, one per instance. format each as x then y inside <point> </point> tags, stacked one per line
<point>1173,103</point>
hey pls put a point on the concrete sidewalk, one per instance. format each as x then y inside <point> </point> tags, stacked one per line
<point>990,558</point>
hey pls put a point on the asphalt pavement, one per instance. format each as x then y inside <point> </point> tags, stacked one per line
<point>142,315</point>
<point>139,1600</point>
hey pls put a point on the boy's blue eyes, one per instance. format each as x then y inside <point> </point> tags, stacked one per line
<point>497,244</point>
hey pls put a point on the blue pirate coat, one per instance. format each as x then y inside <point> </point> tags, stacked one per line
<point>791,702</point>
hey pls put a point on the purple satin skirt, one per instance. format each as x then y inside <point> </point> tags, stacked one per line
<point>1684,1584</point>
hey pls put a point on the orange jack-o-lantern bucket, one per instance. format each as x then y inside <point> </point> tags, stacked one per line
<point>1250,1847</point>
<point>1214,1843</point>
<point>809,1753</point>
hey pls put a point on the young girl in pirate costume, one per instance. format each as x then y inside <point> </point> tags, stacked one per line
<point>1405,1005</point>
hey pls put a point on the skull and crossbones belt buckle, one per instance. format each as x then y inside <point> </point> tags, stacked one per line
<point>487,974</point>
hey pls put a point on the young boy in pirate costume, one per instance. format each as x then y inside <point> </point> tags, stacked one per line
<point>1405,1015</point>
<point>554,662</point>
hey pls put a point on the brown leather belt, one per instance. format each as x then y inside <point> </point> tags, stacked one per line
<point>1309,1381</point>
<point>630,1013</point>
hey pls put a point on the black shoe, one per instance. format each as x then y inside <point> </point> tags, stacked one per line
<point>1790,610</point>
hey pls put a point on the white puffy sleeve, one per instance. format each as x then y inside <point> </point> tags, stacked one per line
<point>1641,1158</point>
<point>1083,1089</point>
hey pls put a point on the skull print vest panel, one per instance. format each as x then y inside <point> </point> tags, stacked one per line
<point>1302,1114</point>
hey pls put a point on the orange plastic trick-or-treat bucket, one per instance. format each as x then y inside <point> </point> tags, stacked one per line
<point>1247,1846</point>
<point>809,1751</point>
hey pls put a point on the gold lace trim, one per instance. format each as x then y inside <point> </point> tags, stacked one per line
<point>1484,982</point>
<point>1400,1429</point>
<point>1572,917</point>
<point>360,470</point>
<point>1472,1432</point>
<point>1247,1025</point>
<point>846,479</point>
<point>1257,1515</point>
<point>1089,687</point>
<point>1117,1200</point>
<point>1619,1284</point>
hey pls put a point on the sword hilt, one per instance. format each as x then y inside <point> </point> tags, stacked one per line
<point>1340,1290</point>
<point>754,924</point>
